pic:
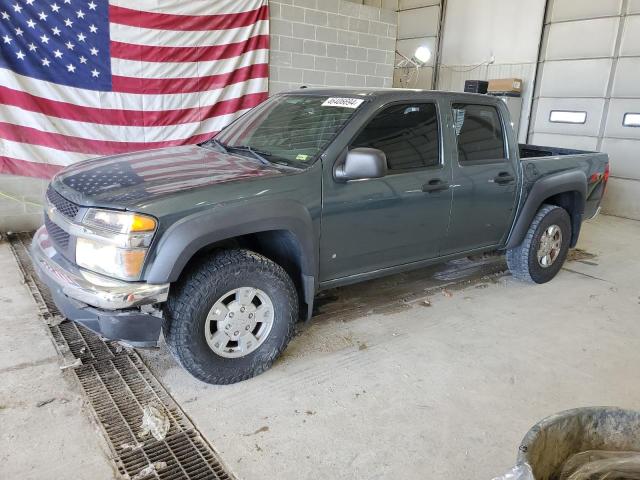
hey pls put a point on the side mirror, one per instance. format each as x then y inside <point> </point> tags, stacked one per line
<point>362,163</point>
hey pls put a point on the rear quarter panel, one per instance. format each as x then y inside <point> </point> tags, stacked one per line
<point>592,165</point>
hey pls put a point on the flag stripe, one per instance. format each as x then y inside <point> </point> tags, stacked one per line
<point>173,38</point>
<point>168,70</point>
<point>28,151</point>
<point>167,21</point>
<point>192,7</point>
<point>146,118</point>
<point>128,101</point>
<point>69,143</point>
<point>188,85</point>
<point>89,130</point>
<point>154,53</point>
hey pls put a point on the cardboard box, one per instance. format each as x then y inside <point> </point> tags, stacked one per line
<point>505,85</point>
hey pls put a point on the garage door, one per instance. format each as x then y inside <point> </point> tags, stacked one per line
<point>588,89</point>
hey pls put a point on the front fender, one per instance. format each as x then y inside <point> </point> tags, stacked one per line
<point>542,189</point>
<point>188,235</point>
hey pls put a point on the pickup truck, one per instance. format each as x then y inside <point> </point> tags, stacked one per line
<point>222,246</point>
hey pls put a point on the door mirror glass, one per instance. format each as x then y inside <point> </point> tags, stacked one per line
<point>362,163</point>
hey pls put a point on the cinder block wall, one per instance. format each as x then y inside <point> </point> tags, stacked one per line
<point>331,43</point>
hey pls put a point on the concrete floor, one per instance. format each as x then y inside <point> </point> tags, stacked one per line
<point>445,391</point>
<point>437,373</point>
<point>45,431</point>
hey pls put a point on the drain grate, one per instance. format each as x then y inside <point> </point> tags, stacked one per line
<point>118,386</point>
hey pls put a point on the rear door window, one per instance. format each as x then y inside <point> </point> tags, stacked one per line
<point>479,134</point>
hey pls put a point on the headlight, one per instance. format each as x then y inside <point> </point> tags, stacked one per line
<point>110,260</point>
<point>119,222</point>
<point>114,243</point>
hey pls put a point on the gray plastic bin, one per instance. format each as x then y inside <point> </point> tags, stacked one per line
<point>556,438</point>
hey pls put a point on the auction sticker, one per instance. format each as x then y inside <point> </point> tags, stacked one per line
<point>342,102</point>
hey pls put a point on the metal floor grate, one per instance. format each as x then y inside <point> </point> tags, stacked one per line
<point>118,386</point>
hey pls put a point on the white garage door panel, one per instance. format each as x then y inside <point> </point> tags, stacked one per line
<point>627,78</point>
<point>634,6</point>
<point>420,22</point>
<point>622,198</point>
<point>582,39</point>
<point>575,10</point>
<point>565,141</point>
<point>617,109</point>
<point>593,107</point>
<point>575,78</point>
<point>625,157</point>
<point>631,37</point>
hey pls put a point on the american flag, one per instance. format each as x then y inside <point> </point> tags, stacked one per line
<point>86,78</point>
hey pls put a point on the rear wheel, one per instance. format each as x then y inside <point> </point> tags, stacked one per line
<point>230,317</point>
<point>544,249</point>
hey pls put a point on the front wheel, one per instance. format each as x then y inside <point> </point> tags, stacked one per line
<point>230,317</point>
<point>544,249</point>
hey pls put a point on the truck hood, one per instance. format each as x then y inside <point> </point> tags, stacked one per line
<point>132,179</point>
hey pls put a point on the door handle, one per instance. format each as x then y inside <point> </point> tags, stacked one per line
<point>435,185</point>
<point>503,178</point>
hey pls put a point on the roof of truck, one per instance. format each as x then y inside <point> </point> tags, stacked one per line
<point>386,93</point>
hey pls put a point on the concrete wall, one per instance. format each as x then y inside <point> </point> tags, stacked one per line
<point>478,31</point>
<point>331,43</point>
<point>20,203</point>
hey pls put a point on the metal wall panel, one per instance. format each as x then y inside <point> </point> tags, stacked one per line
<point>615,128</point>
<point>565,141</point>
<point>633,6</point>
<point>575,78</point>
<point>582,39</point>
<point>631,37</point>
<point>408,4</point>
<point>418,25</point>
<point>627,78</point>
<point>627,159</point>
<point>418,22</point>
<point>592,106</point>
<point>576,10</point>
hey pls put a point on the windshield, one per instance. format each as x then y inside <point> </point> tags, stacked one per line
<point>289,129</point>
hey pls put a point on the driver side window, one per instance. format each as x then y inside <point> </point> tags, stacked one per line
<point>408,134</point>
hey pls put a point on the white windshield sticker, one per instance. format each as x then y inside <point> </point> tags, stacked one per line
<point>342,102</point>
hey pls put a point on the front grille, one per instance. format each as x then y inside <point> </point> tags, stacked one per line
<point>64,206</point>
<point>58,235</point>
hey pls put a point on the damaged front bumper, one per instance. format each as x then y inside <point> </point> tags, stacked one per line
<point>109,307</point>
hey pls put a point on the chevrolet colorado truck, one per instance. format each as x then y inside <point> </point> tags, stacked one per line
<point>222,246</point>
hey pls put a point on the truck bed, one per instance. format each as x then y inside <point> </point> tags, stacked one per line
<point>533,151</point>
<point>539,162</point>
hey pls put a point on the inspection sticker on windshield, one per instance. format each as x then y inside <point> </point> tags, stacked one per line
<point>342,102</point>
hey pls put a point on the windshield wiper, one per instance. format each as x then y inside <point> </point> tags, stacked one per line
<point>258,154</point>
<point>216,142</point>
